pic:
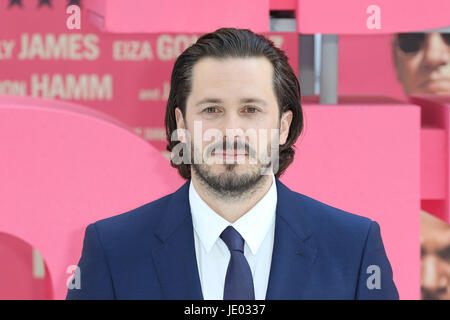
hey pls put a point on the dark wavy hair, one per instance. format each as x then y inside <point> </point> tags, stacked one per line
<point>238,43</point>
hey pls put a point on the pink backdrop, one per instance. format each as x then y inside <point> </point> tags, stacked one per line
<point>67,167</point>
<point>351,16</point>
<point>70,166</point>
<point>129,75</point>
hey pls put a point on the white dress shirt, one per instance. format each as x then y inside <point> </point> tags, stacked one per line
<point>257,227</point>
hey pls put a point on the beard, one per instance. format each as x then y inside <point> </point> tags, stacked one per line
<point>229,181</point>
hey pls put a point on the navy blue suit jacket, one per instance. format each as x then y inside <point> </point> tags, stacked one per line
<point>320,252</point>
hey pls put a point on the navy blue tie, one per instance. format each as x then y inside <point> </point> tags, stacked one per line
<point>238,281</point>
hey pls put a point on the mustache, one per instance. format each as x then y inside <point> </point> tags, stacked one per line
<point>428,294</point>
<point>236,146</point>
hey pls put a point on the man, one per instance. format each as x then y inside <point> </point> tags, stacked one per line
<point>233,230</point>
<point>435,257</point>
<point>422,62</point>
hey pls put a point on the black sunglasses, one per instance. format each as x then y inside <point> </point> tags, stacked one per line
<point>413,42</point>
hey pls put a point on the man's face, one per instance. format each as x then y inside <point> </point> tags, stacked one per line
<point>226,95</point>
<point>422,62</point>
<point>435,242</point>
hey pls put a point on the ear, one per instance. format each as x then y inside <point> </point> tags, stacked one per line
<point>285,124</point>
<point>180,125</point>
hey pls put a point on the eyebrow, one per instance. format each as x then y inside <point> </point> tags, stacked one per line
<point>243,100</point>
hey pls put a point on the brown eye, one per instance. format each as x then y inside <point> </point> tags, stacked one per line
<point>251,109</point>
<point>212,109</point>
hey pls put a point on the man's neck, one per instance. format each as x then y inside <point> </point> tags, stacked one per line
<point>232,209</point>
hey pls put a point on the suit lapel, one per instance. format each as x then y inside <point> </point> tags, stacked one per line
<point>293,250</point>
<point>292,258</point>
<point>174,255</point>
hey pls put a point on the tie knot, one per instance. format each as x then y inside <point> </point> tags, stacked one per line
<point>233,239</point>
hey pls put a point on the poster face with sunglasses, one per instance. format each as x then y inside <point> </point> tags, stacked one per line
<point>397,65</point>
<point>422,62</point>
<point>422,65</point>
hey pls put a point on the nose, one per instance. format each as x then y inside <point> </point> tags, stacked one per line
<point>436,51</point>
<point>431,275</point>
<point>233,127</point>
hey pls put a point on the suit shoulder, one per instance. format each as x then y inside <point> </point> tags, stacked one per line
<point>145,215</point>
<point>325,217</point>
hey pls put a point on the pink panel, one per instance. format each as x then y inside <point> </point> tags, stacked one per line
<point>436,112</point>
<point>436,207</point>
<point>63,166</point>
<point>350,16</point>
<point>366,66</point>
<point>283,4</point>
<point>16,272</point>
<point>363,156</point>
<point>143,16</point>
<point>434,161</point>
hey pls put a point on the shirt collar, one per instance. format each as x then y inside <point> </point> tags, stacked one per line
<point>253,225</point>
